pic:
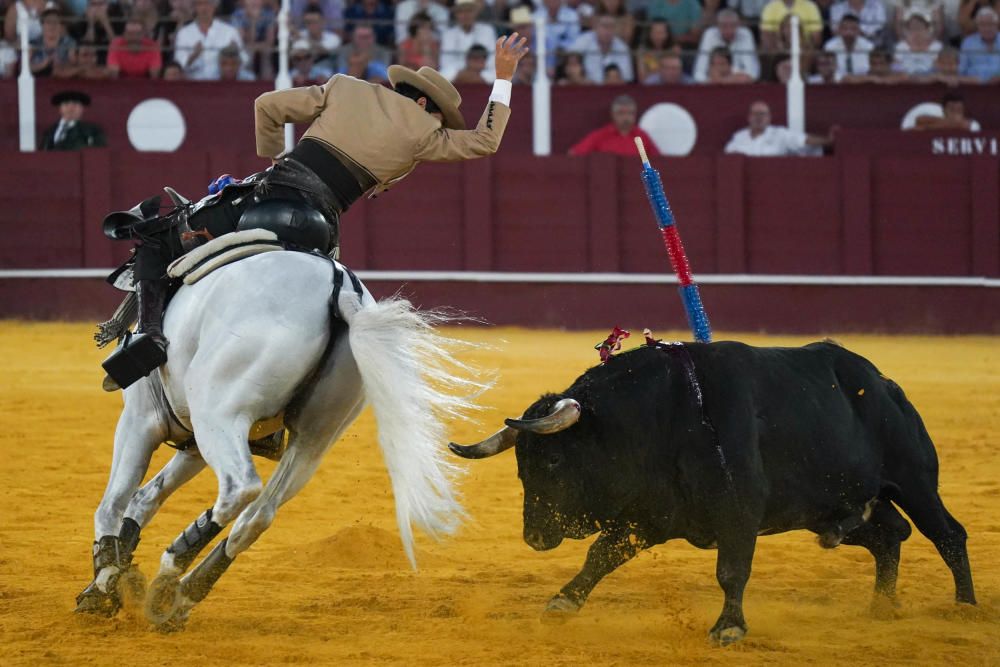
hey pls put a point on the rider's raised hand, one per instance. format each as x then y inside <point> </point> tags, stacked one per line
<point>510,50</point>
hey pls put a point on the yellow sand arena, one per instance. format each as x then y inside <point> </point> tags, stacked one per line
<point>329,584</point>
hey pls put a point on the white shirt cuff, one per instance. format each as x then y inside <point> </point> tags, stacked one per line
<point>501,92</point>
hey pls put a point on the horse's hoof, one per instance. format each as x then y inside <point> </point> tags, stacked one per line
<point>175,623</point>
<point>131,589</point>
<point>884,608</point>
<point>559,609</point>
<point>162,599</point>
<point>95,601</point>
<point>727,636</point>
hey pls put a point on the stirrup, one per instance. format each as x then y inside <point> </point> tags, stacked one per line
<point>138,356</point>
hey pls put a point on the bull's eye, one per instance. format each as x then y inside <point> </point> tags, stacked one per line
<point>554,460</point>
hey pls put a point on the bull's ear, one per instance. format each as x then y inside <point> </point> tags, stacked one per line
<point>565,413</point>
<point>500,441</point>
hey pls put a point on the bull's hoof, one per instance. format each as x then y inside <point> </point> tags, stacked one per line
<point>727,636</point>
<point>162,599</point>
<point>560,609</point>
<point>96,602</point>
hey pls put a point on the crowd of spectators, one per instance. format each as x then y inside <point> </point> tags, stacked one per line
<point>588,42</point>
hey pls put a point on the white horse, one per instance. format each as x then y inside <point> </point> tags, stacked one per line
<point>247,342</point>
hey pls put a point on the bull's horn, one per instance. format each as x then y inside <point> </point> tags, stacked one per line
<point>564,414</point>
<point>500,441</point>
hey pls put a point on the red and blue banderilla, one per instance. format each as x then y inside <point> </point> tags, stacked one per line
<point>697,318</point>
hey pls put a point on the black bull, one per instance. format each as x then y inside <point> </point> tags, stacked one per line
<point>719,443</point>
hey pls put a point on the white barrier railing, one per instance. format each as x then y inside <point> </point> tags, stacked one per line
<point>541,94</point>
<point>25,85</point>
<point>284,79</point>
<point>795,90</point>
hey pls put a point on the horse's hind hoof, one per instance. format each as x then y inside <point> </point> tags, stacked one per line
<point>95,601</point>
<point>131,589</point>
<point>162,599</point>
<point>727,636</point>
<point>559,610</point>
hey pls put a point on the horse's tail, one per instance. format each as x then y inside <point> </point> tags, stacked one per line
<point>410,380</point>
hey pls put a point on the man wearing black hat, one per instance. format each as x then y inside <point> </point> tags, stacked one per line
<point>71,133</point>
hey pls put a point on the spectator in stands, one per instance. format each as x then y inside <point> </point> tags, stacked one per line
<point>231,65</point>
<point>197,44</point>
<point>571,72</point>
<point>585,10</point>
<point>11,26</point>
<point>967,12</point>
<point>173,71</point>
<point>826,69</point>
<point>323,43</point>
<point>258,28</point>
<point>684,17</point>
<point>625,22</point>
<point>619,135</point>
<point>8,60</point>
<point>376,14</point>
<point>181,13</point>
<point>422,48</point>
<point>670,72</point>
<point>946,70</point>
<point>562,30</point>
<point>72,133</point>
<point>102,22</point>
<point>738,40</point>
<point>850,47</point>
<point>601,47</point>
<point>656,42</point>
<point>147,13</point>
<point>332,11</point>
<point>363,58</point>
<point>933,10</point>
<point>54,53</point>
<point>87,64</point>
<point>981,51</point>
<point>475,63</point>
<point>761,139</point>
<point>407,8</point>
<point>952,116</point>
<point>613,75</point>
<point>810,22</point>
<point>917,53</point>
<point>879,70</point>
<point>720,68</point>
<point>459,38</point>
<point>525,74</point>
<point>750,10</point>
<point>134,54</point>
<point>870,15</point>
<point>783,48</point>
<point>305,69</point>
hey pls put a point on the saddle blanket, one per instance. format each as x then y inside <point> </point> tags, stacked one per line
<point>220,251</point>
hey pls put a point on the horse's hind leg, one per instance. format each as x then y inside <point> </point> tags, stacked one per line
<point>139,433</point>
<point>331,406</point>
<point>181,469</point>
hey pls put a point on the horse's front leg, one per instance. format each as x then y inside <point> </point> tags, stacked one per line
<point>139,433</point>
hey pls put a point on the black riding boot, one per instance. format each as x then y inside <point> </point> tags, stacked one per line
<point>152,295</point>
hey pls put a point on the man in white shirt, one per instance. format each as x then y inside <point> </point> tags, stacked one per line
<point>563,26</point>
<point>850,47</point>
<point>197,45</point>
<point>407,8</point>
<point>466,33</point>
<point>762,139</point>
<point>727,32</point>
<point>600,48</point>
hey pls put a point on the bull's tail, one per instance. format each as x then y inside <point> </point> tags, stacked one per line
<point>413,383</point>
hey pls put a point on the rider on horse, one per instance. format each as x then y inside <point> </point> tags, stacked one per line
<point>362,137</point>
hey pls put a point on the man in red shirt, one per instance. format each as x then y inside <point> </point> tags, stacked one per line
<point>619,135</point>
<point>133,55</point>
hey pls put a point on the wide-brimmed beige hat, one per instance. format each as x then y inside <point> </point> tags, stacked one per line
<point>439,89</point>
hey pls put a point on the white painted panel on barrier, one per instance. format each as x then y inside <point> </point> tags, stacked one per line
<point>671,127</point>
<point>156,124</point>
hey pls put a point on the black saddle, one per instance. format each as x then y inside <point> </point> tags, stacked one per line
<point>296,223</point>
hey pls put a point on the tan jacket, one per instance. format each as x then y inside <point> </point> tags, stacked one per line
<point>380,130</point>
